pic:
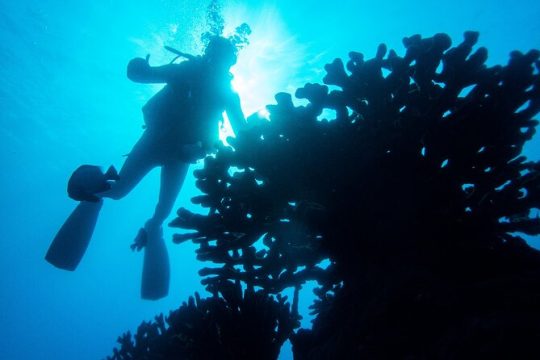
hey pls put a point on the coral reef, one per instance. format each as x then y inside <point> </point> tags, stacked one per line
<point>405,174</point>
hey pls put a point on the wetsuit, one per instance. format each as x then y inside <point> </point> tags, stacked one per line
<point>188,109</point>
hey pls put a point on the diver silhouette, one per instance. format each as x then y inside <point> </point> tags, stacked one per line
<point>181,126</point>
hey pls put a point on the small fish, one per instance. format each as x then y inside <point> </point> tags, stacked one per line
<point>89,180</point>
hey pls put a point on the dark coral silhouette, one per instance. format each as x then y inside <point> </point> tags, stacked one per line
<point>230,325</point>
<point>406,175</point>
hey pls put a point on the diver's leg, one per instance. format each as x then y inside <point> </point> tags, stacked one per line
<point>172,179</point>
<point>156,272</point>
<point>138,163</point>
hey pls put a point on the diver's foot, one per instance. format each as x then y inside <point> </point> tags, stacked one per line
<point>156,269</point>
<point>88,181</point>
<point>140,240</point>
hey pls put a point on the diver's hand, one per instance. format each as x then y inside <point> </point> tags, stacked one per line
<point>138,69</point>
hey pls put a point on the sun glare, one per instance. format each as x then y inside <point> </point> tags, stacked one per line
<point>269,64</point>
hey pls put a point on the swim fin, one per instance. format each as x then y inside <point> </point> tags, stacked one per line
<point>156,270</point>
<point>71,241</point>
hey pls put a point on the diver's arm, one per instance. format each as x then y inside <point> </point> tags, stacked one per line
<point>235,113</point>
<point>139,70</point>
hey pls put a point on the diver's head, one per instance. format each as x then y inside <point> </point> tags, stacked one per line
<point>220,53</point>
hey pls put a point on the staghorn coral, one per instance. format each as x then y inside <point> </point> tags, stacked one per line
<point>406,173</point>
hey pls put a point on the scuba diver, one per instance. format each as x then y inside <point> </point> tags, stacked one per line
<point>181,123</point>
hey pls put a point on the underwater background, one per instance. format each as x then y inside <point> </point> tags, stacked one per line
<point>65,101</point>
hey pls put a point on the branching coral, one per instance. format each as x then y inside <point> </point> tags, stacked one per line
<point>411,158</point>
<point>229,325</point>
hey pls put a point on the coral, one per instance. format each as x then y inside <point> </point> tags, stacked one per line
<point>405,174</point>
<point>228,325</point>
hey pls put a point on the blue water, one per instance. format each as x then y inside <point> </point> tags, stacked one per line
<point>65,101</point>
